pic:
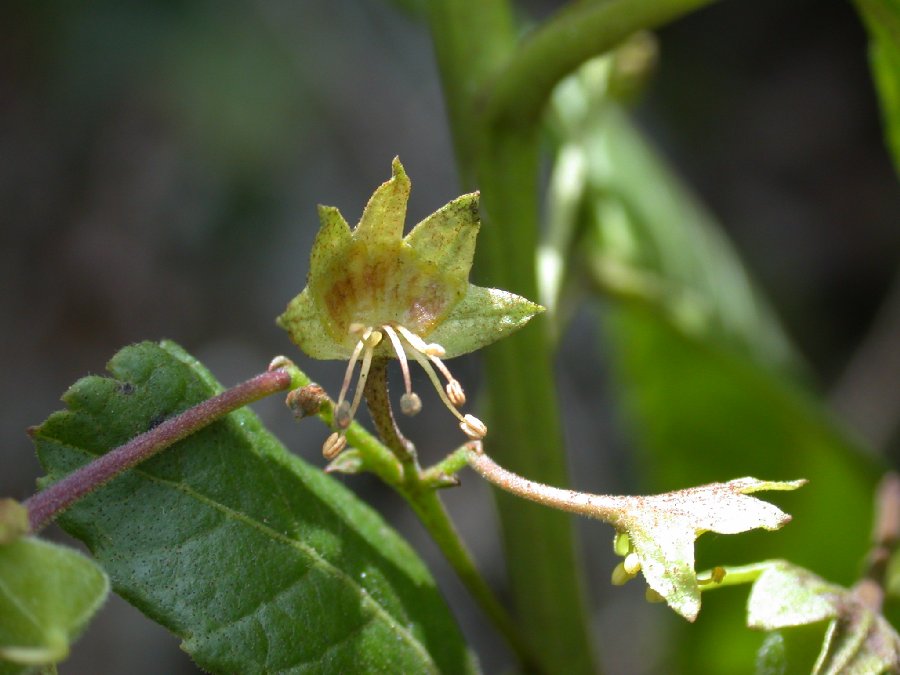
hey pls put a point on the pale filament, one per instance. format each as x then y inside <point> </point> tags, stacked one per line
<point>424,353</point>
<point>351,366</point>
<point>434,351</point>
<point>401,355</point>
<point>372,338</point>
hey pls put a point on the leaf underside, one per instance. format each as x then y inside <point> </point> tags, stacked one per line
<point>259,562</point>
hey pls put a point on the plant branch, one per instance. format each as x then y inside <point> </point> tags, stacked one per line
<point>517,97</point>
<point>50,502</point>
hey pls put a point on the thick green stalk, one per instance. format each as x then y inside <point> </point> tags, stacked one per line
<point>539,543</point>
<point>496,92</point>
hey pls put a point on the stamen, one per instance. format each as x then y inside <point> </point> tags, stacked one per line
<point>410,404</point>
<point>426,366</point>
<point>333,445</point>
<point>434,351</point>
<point>342,416</point>
<point>371,339</point>
<point>455,393</point>
<point>401,355</point>
<point>417,343</point>
<point>473,427</point>
<point>348,374</point>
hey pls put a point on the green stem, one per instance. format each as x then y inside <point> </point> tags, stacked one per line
<point>496,91</point>
<point>418,488</point>
<point>433,515</point>
<point>516,100</point>
<point>545,580</point>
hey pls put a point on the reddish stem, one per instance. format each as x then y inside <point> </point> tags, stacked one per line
<point>47,504</point>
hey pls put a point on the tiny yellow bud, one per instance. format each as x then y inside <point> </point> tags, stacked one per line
<point>620,575</point>
<point>622,544</point>
<point>632,564</point>
<point>652,596</point>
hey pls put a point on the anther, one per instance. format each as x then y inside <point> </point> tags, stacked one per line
<point>342,415</point>
<point>632,564</point>
<point>410,403</point>
<point>455,393</point>
<point>333,445</point>
<point>473,427</point>
<point>434,349</point>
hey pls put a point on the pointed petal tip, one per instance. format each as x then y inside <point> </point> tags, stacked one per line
<point>397,170</point>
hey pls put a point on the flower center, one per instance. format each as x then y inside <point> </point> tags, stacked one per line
<point>405,343</point>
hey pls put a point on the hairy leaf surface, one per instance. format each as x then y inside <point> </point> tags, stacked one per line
<point>257,561</point>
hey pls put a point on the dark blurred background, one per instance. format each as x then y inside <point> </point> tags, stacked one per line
<point>160,164</point>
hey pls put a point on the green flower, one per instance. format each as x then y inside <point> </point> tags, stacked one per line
<point>661,530</point>
<point>373,293</point>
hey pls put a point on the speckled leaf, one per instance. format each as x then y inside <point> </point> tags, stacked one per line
<point>47,595</point>
<point>257,561</point>
<point>857,639</point>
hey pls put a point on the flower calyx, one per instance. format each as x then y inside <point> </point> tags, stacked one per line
<point>373,293</point>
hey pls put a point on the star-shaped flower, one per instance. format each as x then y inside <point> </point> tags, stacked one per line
<point>373,293</point>
<point>661,530</point>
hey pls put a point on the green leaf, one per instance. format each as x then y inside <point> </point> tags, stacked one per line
<point>882,19</point>
<point>858,640</point>
<point>47,595</point>
<point>257,561</point>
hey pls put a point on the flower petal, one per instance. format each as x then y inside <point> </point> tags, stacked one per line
<point>446,238</point>
<point>667,563</point>
<point>303,322</point>
<point>483,316</point>
<point>331,241</point>
<point>384,215</point>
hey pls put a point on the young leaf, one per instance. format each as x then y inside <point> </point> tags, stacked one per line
<point>256,560</point>
<point>47,594</point>
<point>858,640</point>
